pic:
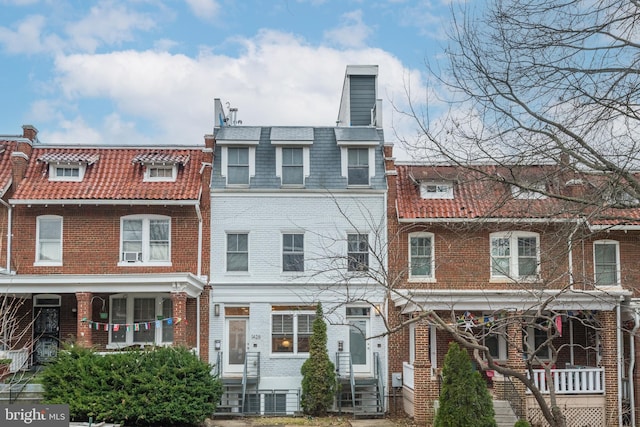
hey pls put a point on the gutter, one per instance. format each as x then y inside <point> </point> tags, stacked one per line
<point>620,361</point>
<point>9,232</point>
<point>199,214</point>
<point>98,202</point>
<point>632,363</point>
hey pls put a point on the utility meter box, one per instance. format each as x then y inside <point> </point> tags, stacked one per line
<point>396,379</point>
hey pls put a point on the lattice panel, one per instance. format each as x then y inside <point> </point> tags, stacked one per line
<point>576,417</point>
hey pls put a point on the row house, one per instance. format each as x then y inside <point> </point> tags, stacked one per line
<point>298,216</point>
<point>489,259</point>
<point>105,246</point>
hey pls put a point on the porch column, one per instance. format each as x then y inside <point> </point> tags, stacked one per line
<point>423,396</point>
<point>85,316</point>
<point>609,343</point>
<point>204,322</point>
<point>514,353</point>
<point>179,300</point>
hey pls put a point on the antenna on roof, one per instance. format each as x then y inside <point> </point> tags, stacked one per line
<point>221,119</point>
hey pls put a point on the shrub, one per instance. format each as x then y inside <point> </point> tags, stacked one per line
<point>163,386</point>
<point>464,398</point>
<point>522,423</point>
<point>318,372</point>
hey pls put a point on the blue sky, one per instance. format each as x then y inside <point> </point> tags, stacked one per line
<point>147,71</point>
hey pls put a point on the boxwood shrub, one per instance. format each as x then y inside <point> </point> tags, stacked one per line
<point>164,386</point>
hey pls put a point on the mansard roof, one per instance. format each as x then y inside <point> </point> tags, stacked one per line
<point>111,175</point>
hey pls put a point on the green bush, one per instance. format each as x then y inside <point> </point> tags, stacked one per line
<point>164,386</point>
<point>464,398</point>
<point>318,372</point>
<point>522,423</point>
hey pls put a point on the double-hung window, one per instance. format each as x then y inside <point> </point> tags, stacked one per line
<point>292,166</point>
<point>515,255</point>
<point>291,330</point>
<point>358,166</point>
<point>146,239</point>
<point>606,263</point>
<point>49,240</point>
<point>140,319</point>
<point>237,252</point>
<point>238,165</point>
<point>421,255</point>
<point>293,252</point>
<point>358,252</point>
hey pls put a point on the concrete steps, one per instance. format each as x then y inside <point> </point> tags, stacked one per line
<point>505,416</point>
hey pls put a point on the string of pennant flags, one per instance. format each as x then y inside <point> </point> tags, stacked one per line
<point>468,320</point>
<point>139,326</point>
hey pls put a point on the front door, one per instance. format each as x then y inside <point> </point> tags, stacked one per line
<point>236,344</point>
<point>46,328</point>
<point>359,346</point>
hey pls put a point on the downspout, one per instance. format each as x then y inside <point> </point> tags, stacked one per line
<point>9,232</point>
<point>620,361</point>
<point>632,349</point>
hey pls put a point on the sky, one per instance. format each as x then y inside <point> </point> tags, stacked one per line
<point>148,71</point>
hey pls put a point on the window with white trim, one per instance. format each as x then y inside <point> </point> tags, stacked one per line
<point>140,319</point>
<point>238,165</point>
<point>237,252</point>
<point>421,260</point>
<point>535,338</point>
<point>606,262</point>
<point>145,239</point>
<point>493,337</point>
<point>358,166</point>
<point>292,166</point>
<point>293,252</point>
<point>66,171</point>
<point>358,252</point>
<point>291,330</point>
<point>162,173</point>
<point>49,240</point>
<point>436,190</point>
<point>515,255</point>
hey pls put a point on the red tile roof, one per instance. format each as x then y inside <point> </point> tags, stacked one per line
<point>6,148</point>
<point>113,176</point>
<point>478,194</point>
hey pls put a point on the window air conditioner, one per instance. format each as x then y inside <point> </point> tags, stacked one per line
<point>132,256</point>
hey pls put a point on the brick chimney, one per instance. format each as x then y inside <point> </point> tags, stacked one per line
<point>20,157</point>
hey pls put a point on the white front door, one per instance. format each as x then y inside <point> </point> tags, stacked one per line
<point>359,346</point>
<point>236,348</point>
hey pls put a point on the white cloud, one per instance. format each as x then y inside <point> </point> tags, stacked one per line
<point>27,38</point>
<point>352,33</point>
<point>204,9</point>
<point>277,79</point>
<point>107,23</point>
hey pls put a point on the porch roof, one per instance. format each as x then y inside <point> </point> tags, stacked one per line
<point>412,300</point>
<point>189,283</point>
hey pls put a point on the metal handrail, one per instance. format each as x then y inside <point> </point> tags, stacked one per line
<point>380,377</point>
<point>511,395</point>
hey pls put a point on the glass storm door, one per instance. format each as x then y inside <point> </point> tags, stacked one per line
<point>236,344</point>
<point>358,345</point>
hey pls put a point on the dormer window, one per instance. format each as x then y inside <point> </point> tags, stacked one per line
<point>436,190</point>
<point>531,191</point>
<point>68,166</point>
<point>292,154</point>
<point>238,154</point>
<point>160,173</point>
<point>161,166</point>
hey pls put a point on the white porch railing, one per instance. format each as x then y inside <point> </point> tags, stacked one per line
<point>407,375</point>
<point>571,381</point>
<point>18,358</point>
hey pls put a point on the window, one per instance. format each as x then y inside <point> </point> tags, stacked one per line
<point>140,319</point>
<point>145,239</point>
<point>534,191</point>
<point>238,166</point>
<point>66,172</point>
<point>290,331</point>
<point>358,166</point>
<point>493,337</point>
<point>514,255</point>
<point>358,252</point>
<point>292,166</point>
<point>238,252</point>
<point>535,337</point>
<point>49,240</point>
<point>293,252</point>
<point>160,173</point>
<point>605,253</point>
<point>436,190</point>
<point>420,250</point>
